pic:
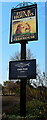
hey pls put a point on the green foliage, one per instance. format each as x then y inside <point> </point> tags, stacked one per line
<point>15,110</point>
<point>36,105</point>
<point>36,108</point>
<point>17,90</point>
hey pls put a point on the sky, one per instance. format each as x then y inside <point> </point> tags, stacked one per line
<point>46,38</point>
<point>1,43</point>
<point>8,50</point>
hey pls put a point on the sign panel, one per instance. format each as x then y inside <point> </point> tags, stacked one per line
<point>24,25</point>
<point>22,69</point>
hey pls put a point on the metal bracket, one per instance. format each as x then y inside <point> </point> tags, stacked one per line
<point>25,4</point>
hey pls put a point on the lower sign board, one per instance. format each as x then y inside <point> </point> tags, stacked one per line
<point>22,69</point>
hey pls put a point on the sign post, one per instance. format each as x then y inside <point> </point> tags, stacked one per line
<point>23,28</point>
<point>23,84</point>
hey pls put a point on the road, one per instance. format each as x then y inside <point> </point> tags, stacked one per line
<point>8,102</point>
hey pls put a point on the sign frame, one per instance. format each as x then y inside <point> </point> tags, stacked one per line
<point>27,77</point>
<point>19,9</point>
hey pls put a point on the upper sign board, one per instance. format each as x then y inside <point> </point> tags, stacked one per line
<point>23,24</point>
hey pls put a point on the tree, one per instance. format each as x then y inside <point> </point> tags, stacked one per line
<point>3,90</point>
<point>9,87</point>
<point>17,56</point>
